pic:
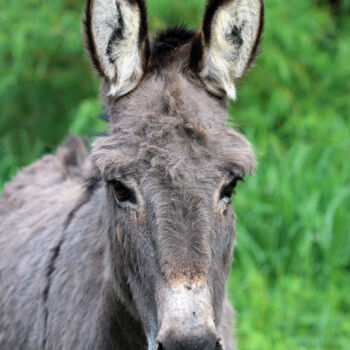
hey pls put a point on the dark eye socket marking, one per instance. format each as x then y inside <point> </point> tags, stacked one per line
<point>122,193</point>
<point>229,190</point>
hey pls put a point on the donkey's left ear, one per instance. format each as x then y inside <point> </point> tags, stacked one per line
<point>116,35</point>
<point>227,44</point>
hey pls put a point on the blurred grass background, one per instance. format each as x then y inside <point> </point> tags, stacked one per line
<point>290,281</point>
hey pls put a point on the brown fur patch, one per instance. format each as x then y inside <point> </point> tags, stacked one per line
<point>181,281</point>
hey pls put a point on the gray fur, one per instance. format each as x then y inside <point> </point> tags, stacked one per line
<point>78,270</point>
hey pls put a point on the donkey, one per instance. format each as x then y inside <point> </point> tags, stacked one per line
<point>129,246</point>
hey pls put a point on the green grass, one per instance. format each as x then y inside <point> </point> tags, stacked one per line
<point>291,312</point>
<point>290,281</point>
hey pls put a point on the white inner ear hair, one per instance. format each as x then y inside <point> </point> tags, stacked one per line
<point>234,30</point>
<point>115,26</point>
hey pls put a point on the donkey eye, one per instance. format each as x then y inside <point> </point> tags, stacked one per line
<point>229,190</point>
<point>123,193</point>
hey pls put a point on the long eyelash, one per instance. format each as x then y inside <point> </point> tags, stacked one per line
<point>240,179</point>
<point>236,179</point>
<point>232,183</point>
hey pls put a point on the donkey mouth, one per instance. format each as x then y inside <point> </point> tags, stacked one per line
<point>206,343</point>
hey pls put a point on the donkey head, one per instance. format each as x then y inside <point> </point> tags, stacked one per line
<point>169,164</point>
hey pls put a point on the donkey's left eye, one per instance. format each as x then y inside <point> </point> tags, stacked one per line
<point>229,190</point>
<point>123,193</point>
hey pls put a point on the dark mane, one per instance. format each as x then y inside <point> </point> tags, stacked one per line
<point>167,41</point>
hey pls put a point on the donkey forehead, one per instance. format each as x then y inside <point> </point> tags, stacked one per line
<point>173,147</point>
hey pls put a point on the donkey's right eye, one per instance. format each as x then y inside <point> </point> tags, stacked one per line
<point>123,193</point>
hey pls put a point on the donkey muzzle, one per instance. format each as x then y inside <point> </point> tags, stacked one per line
<point>186,320</point>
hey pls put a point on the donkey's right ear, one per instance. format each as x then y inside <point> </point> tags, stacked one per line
<point>116,36</point>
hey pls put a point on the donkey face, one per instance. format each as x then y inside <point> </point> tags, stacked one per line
<point>170,165</point>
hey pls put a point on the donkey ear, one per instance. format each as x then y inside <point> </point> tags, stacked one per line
<point>117,39</point>
<point>228,43</point>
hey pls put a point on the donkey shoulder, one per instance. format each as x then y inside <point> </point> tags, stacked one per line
<point>33,209</point>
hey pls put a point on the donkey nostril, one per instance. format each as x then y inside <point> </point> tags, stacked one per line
<point>159,346</point>
<point>219,344</point>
